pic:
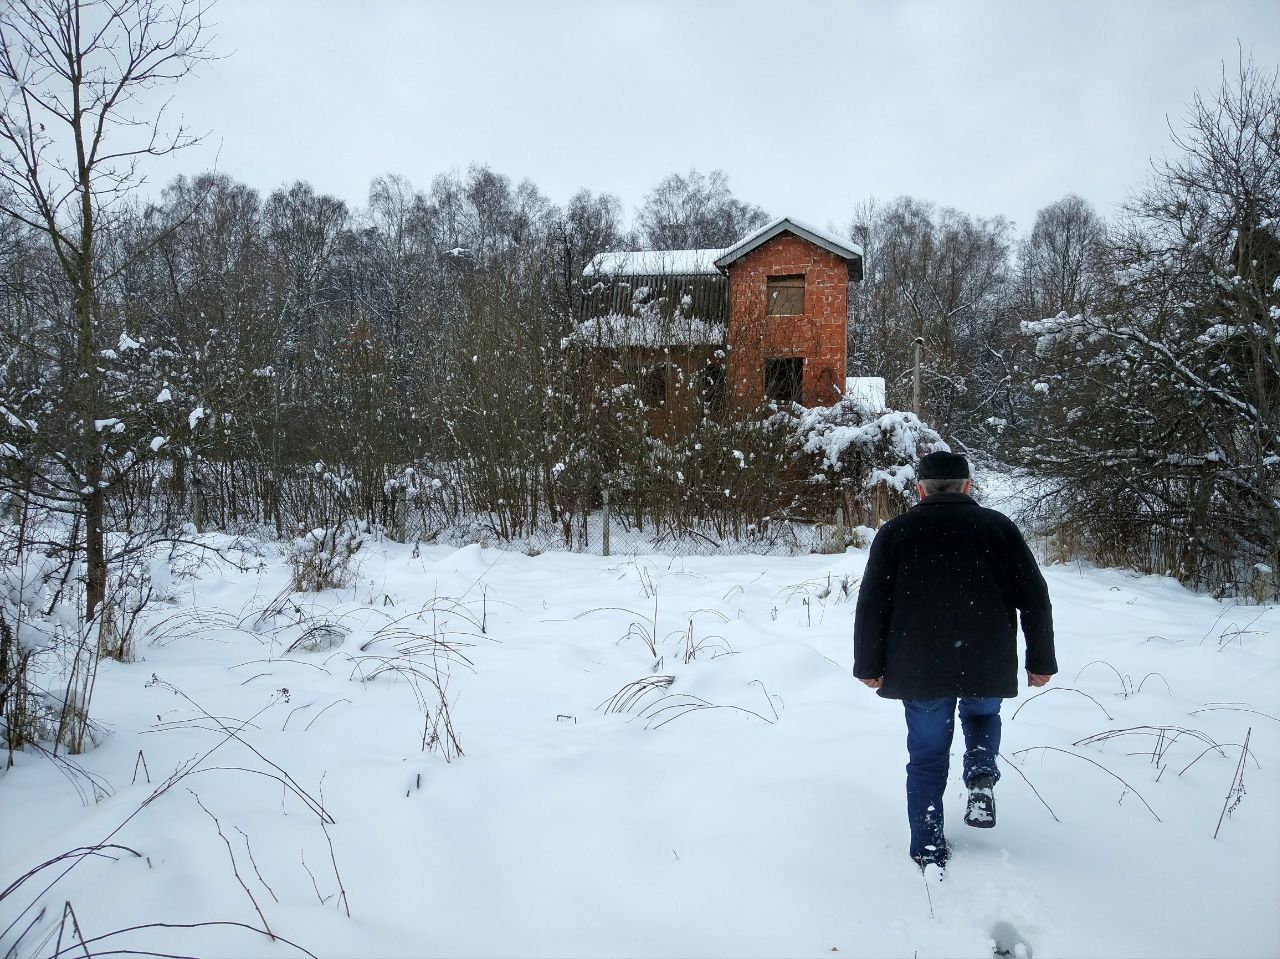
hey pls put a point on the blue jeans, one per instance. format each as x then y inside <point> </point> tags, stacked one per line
<point>931,724</point>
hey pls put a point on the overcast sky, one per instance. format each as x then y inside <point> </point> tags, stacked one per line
<point>809,107</point>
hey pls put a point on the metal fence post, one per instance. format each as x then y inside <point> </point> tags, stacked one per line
<point>604,532</point>
<point>400,516</point>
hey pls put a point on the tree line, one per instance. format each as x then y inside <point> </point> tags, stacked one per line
<point>1128,365</point>
<point>218,357</point>
<point>213,358</point>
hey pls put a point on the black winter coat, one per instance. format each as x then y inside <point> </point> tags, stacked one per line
<point>938,604</point>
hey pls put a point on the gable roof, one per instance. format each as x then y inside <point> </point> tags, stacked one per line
<point>655,263</point>
<point>713,262</point>
<point>828,241</point>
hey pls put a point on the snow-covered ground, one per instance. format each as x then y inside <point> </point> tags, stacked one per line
<point>581,822</point>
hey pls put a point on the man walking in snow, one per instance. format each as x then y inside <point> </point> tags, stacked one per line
<point>936,625</point>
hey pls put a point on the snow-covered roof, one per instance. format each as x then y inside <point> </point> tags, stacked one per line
<point>655,263</point>
<point>828,241</point>
<point>712,262</point>
<point>648,328</point>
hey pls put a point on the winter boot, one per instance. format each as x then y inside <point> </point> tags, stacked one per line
<point>981,809</point>
<point>933,856</point>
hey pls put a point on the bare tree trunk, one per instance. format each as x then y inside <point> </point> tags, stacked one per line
<point>93,494</point>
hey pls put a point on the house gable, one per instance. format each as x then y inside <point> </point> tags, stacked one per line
<point>757,338</point>
<point>850,252</point>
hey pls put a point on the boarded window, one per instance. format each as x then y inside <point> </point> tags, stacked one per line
<point>782,379</point>
<point>786,296</point>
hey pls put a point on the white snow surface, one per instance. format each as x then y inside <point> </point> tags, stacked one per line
<point>655,263</point>
<point>869,391</point>
<point>647,328</point>
<point>774,828</point>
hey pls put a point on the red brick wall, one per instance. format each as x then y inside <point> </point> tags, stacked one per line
<point>819,337</point>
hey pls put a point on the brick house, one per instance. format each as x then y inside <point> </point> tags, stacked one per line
<point>787,328</point>
<point>764,319</point>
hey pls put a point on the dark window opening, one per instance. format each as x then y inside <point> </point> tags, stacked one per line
<point>782,379</point>
<point>713,389</point>
<point>653,389</point>
<point>785,296</point>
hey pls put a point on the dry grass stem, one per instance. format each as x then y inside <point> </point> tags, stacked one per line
<point>1060,689</point>
<point>234,867</point>
<point>1235,793</point>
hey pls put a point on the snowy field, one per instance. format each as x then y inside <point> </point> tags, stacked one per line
<point>730,792</point>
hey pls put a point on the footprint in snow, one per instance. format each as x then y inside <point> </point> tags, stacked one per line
<point>1009,944</point>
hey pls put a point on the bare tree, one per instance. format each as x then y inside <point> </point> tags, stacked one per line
<point>589,224</point>
<point>1059,262</point>
<point>942,275</point>
<point>75,128</point>
<point>1161,404</point>
<point>694,212</point>
<point>395,259</point>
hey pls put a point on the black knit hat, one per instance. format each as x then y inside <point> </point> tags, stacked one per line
<point>942,466</point>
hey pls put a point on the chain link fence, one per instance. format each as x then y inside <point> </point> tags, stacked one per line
<point>613,529</point>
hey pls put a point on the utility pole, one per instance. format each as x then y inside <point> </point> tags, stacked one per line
<point>915,391</point>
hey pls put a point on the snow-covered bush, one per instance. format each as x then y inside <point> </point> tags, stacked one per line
<point>22,594</point>
<point>323,558</point>
<point>24,631</point>
<point>729,479</point>
<point>48,656</point>
<point>1151,412</point>
<point>867,457</point>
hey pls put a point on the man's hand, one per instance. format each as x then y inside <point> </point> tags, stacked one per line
<point>872,683</point>
<point>1036,679</point>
